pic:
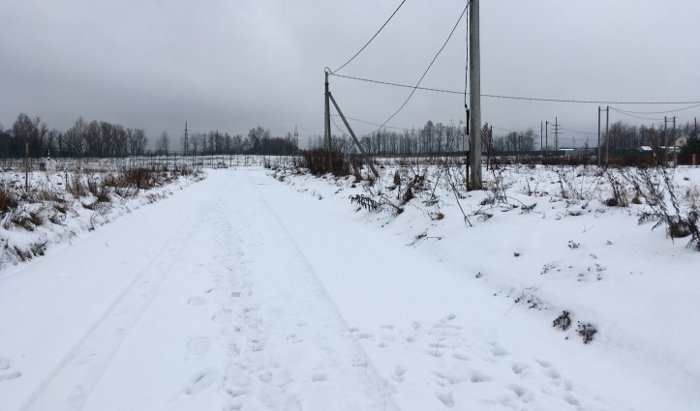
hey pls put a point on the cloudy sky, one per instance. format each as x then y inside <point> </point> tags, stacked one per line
<point>234,64</point>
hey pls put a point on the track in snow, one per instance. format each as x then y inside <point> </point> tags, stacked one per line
<point>258,329</point>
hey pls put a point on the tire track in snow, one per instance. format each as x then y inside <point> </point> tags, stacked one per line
<point>376,383</point>
<point>72,380</point>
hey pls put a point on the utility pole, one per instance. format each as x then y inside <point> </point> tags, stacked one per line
<point>665,143</point>
<point>556,133</point>
<point>607,137</point>
<point>26,167</point>
<point>186,140</point>
<point>540,136</point>
<point>599,137</point>
<point>327,116</point>
<point>296,136</point>
<point>673,140</point>
<point>546,135</point>
<point>474,97</point>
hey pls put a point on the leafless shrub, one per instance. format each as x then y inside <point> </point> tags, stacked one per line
<point>139,177</point>
<point>76,187</point>
<point>366,202</point>
<point>8,201</point>
<point>319,162</point>
<point>679,224</point>
<point>98,189</point>
<point>27,220</point>
<point>619,198</point>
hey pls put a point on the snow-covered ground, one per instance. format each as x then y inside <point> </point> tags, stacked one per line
<point>69,199</point>
<point>261,290</point>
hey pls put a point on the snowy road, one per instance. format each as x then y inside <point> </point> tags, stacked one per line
<point>241,293</point>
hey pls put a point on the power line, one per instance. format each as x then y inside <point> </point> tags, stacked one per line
<point>507,97</point>
<point>342,133</point>
<point>372,123</point>
<point>372,38</point>
<point>444,44</point>
<point>388,83</point>
<point>659,112</point>
<point>634,115</point>
<point>503,129</point>
<point>577,131</point>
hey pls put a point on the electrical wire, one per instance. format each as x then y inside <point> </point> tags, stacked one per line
<point>659,112</point>
<point>635,116</point>
<point>342,133</point>
<point>507,97</point>
<point>579,132</point>
<point>444,44</point>
<point>372,38</point>
<point>371,123</point>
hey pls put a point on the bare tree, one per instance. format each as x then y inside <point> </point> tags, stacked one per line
<point>162,144</point>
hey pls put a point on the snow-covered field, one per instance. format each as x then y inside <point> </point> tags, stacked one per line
<point>69,199</point>
<point>259,289</point>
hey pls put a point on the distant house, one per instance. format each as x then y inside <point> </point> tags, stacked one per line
<point>681,141</point>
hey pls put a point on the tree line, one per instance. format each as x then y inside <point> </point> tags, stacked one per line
<point>440,139</point>
<point>104,139</point>
<point>431,139</point>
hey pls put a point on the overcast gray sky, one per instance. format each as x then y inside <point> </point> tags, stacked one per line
<point>232,65</point>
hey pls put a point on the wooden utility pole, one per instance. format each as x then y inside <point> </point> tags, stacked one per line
<point>327,117</point>
<point>474,97</point>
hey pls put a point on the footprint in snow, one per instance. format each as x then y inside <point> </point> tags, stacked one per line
<point>201,381</point>
<point>519,368</point>
<point>198,345</point>
<point>446,399</point>
<point>196,301</point>
<point>319,377</point>
<point>4,363</point>
<point>399,372</point>
<point>477,376</point>
<point>238,375</point>
<point>11,376</point>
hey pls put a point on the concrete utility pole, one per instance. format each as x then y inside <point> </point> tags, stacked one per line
<point>607,137</point>
<point>327,116</point>
<point>598,137</point>
<point>474,97</point>
<point>26,167</point>
<point>186,141</point>
<point>665,143</point>
<point>673,140</point>
<point>352,134</point>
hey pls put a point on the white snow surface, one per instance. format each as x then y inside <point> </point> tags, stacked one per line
<point>246,292</point>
